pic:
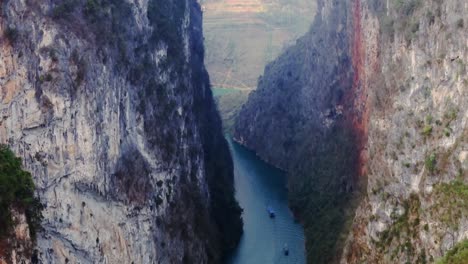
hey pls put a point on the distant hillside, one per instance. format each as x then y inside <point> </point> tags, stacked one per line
<point>242,36</point>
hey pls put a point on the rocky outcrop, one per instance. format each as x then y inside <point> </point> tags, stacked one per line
<point>108,104</point>
<point>367,113</point>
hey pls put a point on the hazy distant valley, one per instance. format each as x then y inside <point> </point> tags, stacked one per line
<point>241,37</point>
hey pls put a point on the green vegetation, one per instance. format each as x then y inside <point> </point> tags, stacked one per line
<point>451,115</point>
<point>45,78</point>
<point>415,27</point>
<point>82,66</point>
<point>457,255</point>
<point>430,162</point>
<point>447,132</point>
<point>11,34</point>
<point>429,119</point>
<point>108,20</point>
<point>431,127</point>
<point>403,229</point>
<point>427,92</point>
<point>166,18</point>
<point>324,192</point>
<point>53,55</point>
<point>92,7</point>
<point>452,202</point>
<point>427,130</point>
<point>16,192</point>
<point>64,9</point>
<point>401,18</point>
<point>430,17</point>
<point>407,7</point>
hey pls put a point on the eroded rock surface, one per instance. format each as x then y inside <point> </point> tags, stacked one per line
<point>108,104</point>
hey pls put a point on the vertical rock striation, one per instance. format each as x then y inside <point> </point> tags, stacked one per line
<point>108,103</point>
<point>417,132</point>
<point>367,113</point>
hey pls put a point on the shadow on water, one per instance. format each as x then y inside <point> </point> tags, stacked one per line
<point>259,185</point>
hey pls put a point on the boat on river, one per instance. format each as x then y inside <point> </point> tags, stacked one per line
<point>271,212</point>
<point>286,250</point>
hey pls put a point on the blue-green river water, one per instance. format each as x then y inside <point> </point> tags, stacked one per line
<point>259,185</point>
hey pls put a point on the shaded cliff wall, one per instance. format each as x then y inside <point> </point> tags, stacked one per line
<point>372,98</point>
<point>108,103</point>
<point>307,118</point>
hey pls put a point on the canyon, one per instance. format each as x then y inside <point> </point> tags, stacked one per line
<point>368,115</point>
<point>108,122</point>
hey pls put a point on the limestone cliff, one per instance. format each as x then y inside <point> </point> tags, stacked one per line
<point>109,106</point>
<point>416,206</point>
<point>368,114</point>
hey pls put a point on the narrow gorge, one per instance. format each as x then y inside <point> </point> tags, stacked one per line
<point>368,115</point>
<point>115,146</point>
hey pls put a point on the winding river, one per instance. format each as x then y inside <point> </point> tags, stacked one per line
<point>259,185</point>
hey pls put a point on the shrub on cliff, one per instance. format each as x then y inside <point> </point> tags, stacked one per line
<point>323,192</point>
<point>64,9</point>
<point>16,191</point>
<point>407,7</point>
<point>457,255</point>
<point>430,162</point>
<point>11,33</point>
<point>166,18</point>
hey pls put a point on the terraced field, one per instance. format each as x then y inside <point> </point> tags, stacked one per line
<point>242,36</point>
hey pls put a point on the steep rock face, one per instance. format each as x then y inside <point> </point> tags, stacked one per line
<point>108,103</point>
<point>371,96</point>
<point>283,105</point>
<point>416,205</point>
